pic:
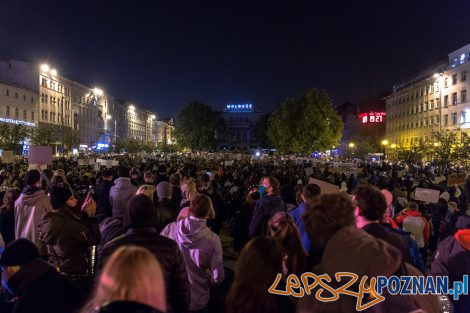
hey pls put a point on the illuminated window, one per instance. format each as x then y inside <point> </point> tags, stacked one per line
<point>431,104</point>
<point>446,101</point>
<point>454,98</point>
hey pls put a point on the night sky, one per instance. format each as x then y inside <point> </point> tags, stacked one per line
<point>163,54</point>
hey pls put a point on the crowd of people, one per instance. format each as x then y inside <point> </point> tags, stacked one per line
<point>145,236</point>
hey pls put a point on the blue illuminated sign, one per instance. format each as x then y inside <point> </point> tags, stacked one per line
<point>247,107</point>
<point>12,121</point>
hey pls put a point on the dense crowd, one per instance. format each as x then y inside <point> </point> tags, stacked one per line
<point>145,236</point>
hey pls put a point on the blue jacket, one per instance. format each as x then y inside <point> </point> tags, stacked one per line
<point>296,214</point>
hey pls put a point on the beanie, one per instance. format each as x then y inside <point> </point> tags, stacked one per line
<point>59,196</point>
<point>32,177</point>
<point>140,212</point>
<point>19,252</point>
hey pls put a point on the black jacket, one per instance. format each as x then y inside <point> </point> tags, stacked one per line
<point>176,196</point>
<point>40,289</point>
<point>128,307</point>
<point>167,212</point>
<point>7,225</point>
<point>69,239</point>
<point>103,204</point>
<point>265,208</point>
<point>379,231</point>
<point>169,256</point>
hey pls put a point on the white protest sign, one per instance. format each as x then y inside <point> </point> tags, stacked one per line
<point>326,188</point>
<point>427,195</point>
<point>40,155</point>
<point>97,167</point>
<point>7,157</point>
<point>91,161</point>
<point>114,163</point>
<point>81,162</point>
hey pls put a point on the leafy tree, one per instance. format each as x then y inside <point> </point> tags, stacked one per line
<point>445,143</point>
<point>44,136</point>
<point>308,123</point>
<point>11,135</point>
<point>462,150</point>
<point>71,139</point>
<point>413,154</point>
<point>148,147</point>
<point>199,127</point>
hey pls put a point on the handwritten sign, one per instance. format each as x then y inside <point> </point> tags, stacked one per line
<point>427,195</point>
<point>456,179</point>
<point>326,188</point>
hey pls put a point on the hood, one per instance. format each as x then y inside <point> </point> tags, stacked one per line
<point>22,280</point>
<point>412,213</point>
<point>463,237</point>
<point>190,231</point>
<point>31,198</point>
<point>355,251</point>
<point>122,182</point>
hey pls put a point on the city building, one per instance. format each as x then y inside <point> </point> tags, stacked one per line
<point>241,121</point>
<point>364,126</point>
<point>133,121</point>
<point>430,101</point>
<point>18,105</point>
<point>164,132</point>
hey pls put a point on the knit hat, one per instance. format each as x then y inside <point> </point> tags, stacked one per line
<point>59,196</point>
<point>32,177</point>
<point>19,252</point>
<point>463,222</point>
<point>140,212</point>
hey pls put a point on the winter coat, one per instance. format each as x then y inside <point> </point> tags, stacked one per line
<point>355,251</point>
<point>415,223</point>
<point>127,307</point>
<point>103,203</point>
<point>169,256</point>
<point>265,208</point>
<point>453,259</point>
<point>69,238</point>
<point>7,224</point>
<point>120,194</point>
<point>40,289</point>
<point>176,196</point>
<point>30,208</point>
<point>167,212</point>
<point>202,254</point>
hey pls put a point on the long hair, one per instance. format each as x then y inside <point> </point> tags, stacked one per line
<point>283,227</point>
<point>131,274</point>
<point>9,199</point>
<point>258,265</point>
<point>148,190</point>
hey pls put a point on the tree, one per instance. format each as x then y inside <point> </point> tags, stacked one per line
<point>413,154</point>
<point>44,136</point>
<point>71,139</point>
<point>11,135</point>
<point>445,142</point>
<point>306,124</point>
<point>462,150</point>
<point>199,127</point>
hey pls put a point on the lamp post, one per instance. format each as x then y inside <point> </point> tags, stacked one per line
<point>351,147</point>
<point>393,146</point>
<point>384,144</point>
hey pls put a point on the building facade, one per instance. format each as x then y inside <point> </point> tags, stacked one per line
<point>18,105</point>
<point>164,132</point>
<point>241,121</point>
<point>433,100</point>
<point>133,121</point>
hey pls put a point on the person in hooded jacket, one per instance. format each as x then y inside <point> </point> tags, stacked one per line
<point>69,237</point>
<point>201,249</point>
<point>121,192</point>
<point>30,207</point>
<point>141,230</point>
<point>453,259</point>
<point>35,285</point>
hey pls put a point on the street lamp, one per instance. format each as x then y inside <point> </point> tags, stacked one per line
<point>384,144</point>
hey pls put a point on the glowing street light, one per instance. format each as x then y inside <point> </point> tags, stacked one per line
<point>97,91</point>
<point>53,72</point>
<point>385,142</point>
<point>131,107</point>
<point>45,67</point>
<point>351,145</point>
<point>436,144</point>
<point>109,117</point>
<point>393,146</point>
<point>153,116</point>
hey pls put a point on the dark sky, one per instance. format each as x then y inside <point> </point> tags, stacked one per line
<point>162,54</point>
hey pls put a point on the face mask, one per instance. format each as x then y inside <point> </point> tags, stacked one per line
<point>262,190</point>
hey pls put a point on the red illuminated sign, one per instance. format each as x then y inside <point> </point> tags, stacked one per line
<point>372,117</point>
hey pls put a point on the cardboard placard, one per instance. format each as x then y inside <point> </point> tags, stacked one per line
<point>456,179</point>
<point>7,157</point>
<point>440,179</point>
<point>35,167</point>
<point>326,188</point>
<point>40,155</point>
<point>427,195</point>
<point>91,161</point>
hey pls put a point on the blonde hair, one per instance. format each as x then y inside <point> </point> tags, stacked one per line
<point>192,188</point>
<point>131,274</point>
<point>147,190</point>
